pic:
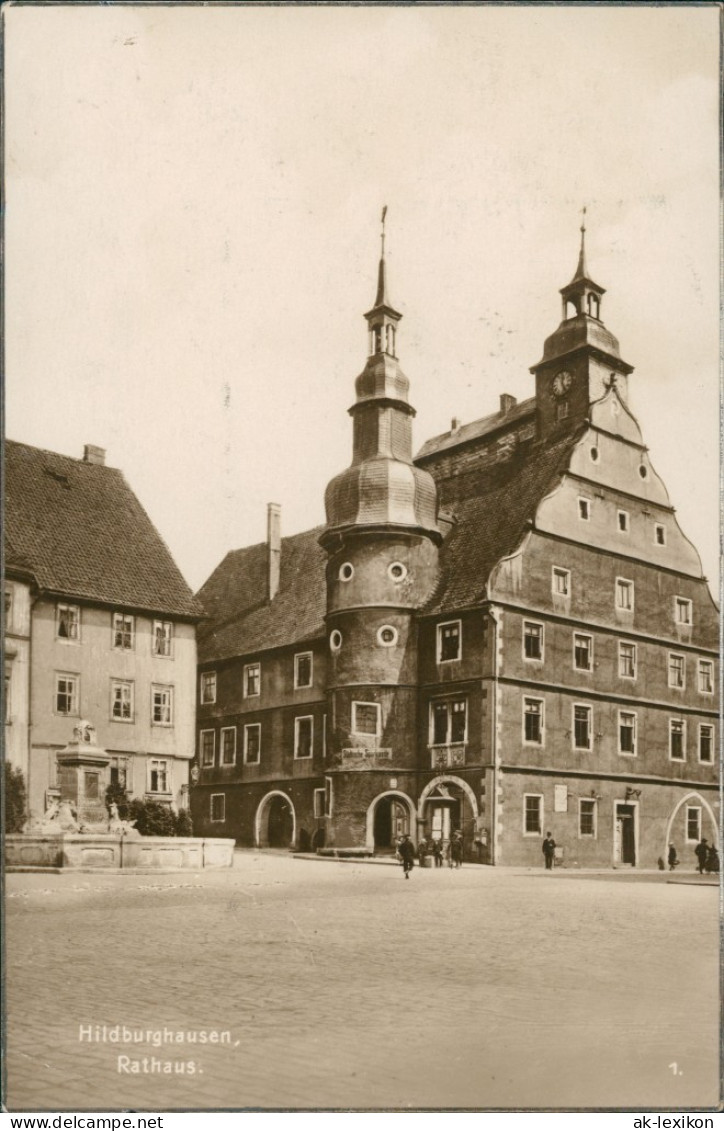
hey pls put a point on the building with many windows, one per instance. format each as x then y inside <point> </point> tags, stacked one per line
<point>98,624</point>
<point>507,634</point>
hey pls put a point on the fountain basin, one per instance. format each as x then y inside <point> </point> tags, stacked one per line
<point>71,851</point>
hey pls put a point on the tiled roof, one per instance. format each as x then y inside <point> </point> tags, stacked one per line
<point>241,618</point>
<point>81,530</point>
<point>476,429</point>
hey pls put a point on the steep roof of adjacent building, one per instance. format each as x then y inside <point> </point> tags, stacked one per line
<point>81,531</point>
<point>241,618</point>
<point>476,429</point>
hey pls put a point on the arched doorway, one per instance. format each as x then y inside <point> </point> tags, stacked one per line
<point>390,816</point>
<point>447,804</point>
<point>276,822</point>
<point>691,819</point>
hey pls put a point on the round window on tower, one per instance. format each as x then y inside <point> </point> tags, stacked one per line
<point>387,636</point>
<point>335,640</point>
<point>397,571</point>
<point>346,571</point>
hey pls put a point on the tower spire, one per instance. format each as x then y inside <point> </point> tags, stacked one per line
<point>581,269</point>
<point>381,298</point>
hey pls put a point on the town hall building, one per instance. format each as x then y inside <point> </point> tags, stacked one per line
<point>506,634</point>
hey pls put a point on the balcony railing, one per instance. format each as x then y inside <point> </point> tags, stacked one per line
<point>445,757</point>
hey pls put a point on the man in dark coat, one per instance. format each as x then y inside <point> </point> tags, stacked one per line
<point>549,850</point>
<point>701,852</point>
<point>406,852</point>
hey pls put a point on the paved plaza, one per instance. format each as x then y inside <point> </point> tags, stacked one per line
<point>341,985</point>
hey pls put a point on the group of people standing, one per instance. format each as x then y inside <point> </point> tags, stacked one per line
<point>433,847</point>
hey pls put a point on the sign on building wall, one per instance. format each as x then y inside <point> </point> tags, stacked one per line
<point>560,798</point>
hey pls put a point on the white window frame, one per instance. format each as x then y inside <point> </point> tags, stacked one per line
<point>537,743</point>
<point>626,527</point>
<point>584,509</point>
<point>683,739</point>
<point>541,640</point>
<point>74,712</point>
<point>448,701</point>
<point>129,686</point>
<point>319,810</point>
<point>378,712</point>
<point>541,815</point>
<point>692,809</point>
<point>710,760</point>
<point>297,720</point>
<point>440,637</point>
<point>585,636</point>
<point>297,657</point>
<point>706,668</point>
<point>207,680</point>
<point>589,709</point>
<point>659,526</point>
<point>625,585</point>
<point>346,571</point>
<point>588,801</point>
<point>387,643</point>
<point>558,573</point>
<point>217,820</point>
<point>223,760</point>
<point>61,607</point>
<point>248,727</point>
<point>165,771</point>
<point>162,688</point>
<point>628,753</point>
<point>245,689</point>
<point>671,669</point>
<point>683,604</point>
<point>205,765</point>
<point>118,624</point>
<point>166,636</point>
<point>628,644</point>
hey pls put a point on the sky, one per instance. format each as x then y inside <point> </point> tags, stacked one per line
<point>193,199</point>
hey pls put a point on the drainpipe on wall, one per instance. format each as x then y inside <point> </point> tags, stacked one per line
<point>494,744</point>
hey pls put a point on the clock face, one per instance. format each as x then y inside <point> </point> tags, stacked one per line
<point>562,383</point>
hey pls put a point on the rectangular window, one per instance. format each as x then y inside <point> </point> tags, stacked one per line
<point>532,640</point>
<point>624,594</point>
<point>677,740</point>
<point>448,641</point>
<point>706,742</point>
<point>706,677</point>
<point>682,610</point>
<point>162,705</point>
<point>218,808</point>
<point>366,718</point>
<point>532,814</point>
<point>626,732</point>
<point>252,680</point>
<point>122,700</point>
<point>533,720</point>
<point>303,732</point>
<point>123,632</point>
<point>120,772</point>
<point>303,669</point>
<point>208,747</point>
<point>162,637</point>
<point>677,670</point>
<point>208,687</point>
<point>626,660</point>
<point>252,744</point>
<point>561,410</point>
<point>584,509</point>
<point>228,746</point>
<point>581,726</point>
<point>693,824</point>
<point>68,623</point>
<point>66,693</point>
<point>448,721</point>
<point>582,651</point>
<point>158,776</point>
<point>586,817</point>
<point>561,582</point>
<point>660,534</point>
<point>320,797</point>
<point>623,521</point>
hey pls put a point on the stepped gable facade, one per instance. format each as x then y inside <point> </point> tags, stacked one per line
<point>508,634</point>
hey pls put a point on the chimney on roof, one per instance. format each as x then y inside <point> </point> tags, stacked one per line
<point>92,454</point>
<point>274,547</point>
<point>507,402</point>
<point>455,424</point>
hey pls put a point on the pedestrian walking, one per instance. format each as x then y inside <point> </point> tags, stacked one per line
<point>549,850</point>
<point>673,859</point>
<point>701,852</point>
<point>406,852</point>
<point>456,850</point>
<point>437,852</point>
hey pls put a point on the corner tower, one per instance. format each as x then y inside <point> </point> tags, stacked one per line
<point>581,359</point>
<point>381,541</point>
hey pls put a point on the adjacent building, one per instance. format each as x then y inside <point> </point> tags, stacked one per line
<point>507,634</point>
<point>98,624</point>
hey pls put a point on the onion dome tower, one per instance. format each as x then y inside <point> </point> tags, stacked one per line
<point>581,358</point>
<point>381,540</point>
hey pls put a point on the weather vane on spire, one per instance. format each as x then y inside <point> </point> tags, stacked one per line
<point>384,213</point>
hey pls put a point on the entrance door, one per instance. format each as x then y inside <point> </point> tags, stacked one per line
<point>392,820</point>
<point>625,834</point>
<point>281,824</point>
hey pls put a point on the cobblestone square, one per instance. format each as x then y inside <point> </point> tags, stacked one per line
<point>340,985</point>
